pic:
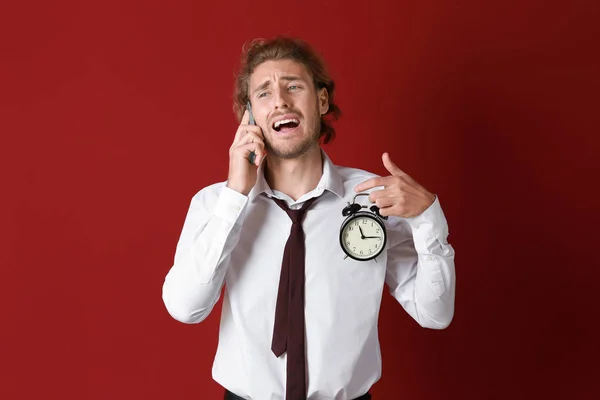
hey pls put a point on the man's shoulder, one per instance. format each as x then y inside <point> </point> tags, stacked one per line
<point>350,175</point>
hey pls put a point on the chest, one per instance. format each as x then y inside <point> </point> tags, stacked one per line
<point>259,252</point>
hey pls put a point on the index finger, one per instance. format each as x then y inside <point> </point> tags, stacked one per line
<point>371,183</point>
<point>244,121</point>
<point>245,118</point>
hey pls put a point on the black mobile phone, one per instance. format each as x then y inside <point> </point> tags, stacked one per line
<point>252,156</point>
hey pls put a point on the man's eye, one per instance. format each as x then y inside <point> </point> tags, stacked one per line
<point>293,87</point>
<point>263,94</point>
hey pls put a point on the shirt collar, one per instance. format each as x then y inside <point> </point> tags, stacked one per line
<point>330,180</point>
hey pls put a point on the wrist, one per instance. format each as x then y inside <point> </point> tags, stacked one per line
<point>238,188</point>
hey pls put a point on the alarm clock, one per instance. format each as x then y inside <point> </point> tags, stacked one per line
<point>362,234</point>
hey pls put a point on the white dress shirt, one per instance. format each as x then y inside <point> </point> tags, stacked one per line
<point>238,240</point>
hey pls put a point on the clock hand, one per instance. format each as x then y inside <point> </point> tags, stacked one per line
<point>371,237</point>
<point>362,235</point>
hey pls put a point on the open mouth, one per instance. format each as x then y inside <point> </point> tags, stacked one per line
<point>285,125</point>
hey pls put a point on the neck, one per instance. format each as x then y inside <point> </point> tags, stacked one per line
<point>295,177</point>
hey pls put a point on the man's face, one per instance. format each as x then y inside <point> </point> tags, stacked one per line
<point>287,107</point>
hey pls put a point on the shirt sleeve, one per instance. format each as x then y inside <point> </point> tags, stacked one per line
<point>210,232</point>
<point>420,267</point>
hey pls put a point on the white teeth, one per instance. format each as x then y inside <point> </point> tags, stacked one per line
<point>285,121</point>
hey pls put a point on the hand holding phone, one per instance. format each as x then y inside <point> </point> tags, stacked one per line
<point>246,154</point>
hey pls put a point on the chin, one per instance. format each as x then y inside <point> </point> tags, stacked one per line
<point>291,152</point>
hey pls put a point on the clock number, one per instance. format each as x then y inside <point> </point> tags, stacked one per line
<point>350,228</point>
<point>377,230</point>
<point>375,245</point>
<point>361,252</point>
<point>364,221</point>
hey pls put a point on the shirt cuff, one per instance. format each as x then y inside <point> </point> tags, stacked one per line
<point>429,226</point>
<point>230,205</point>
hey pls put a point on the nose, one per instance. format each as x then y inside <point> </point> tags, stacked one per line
<point>281,99</point>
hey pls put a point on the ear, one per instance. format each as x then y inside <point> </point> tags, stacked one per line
<point>323,98</point>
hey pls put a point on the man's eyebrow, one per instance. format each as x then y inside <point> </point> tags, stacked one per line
<point>262,86</point>
<point>266,83</point>
<point>291,78</point>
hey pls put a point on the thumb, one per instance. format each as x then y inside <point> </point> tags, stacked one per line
<point>391,167</point>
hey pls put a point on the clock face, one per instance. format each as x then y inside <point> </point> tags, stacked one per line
<point>363,237</point>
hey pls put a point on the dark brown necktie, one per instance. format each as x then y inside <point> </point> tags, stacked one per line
<point>288,330</point>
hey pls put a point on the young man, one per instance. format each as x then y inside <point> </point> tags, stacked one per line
<point>299,318</point>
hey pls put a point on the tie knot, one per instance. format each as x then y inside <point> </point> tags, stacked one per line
<point>295,215</point>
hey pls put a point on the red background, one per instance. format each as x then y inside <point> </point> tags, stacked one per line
<point>114,113</point>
